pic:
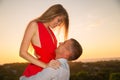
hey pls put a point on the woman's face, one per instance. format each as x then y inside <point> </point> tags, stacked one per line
<point>56,21</point>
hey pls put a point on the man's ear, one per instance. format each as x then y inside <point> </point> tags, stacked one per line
<point>67,54</point>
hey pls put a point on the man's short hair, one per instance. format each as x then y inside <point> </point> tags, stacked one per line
<point>76,50</point>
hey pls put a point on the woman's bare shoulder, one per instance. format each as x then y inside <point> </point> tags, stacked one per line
<point>33,23</point>
<point>32,26</point>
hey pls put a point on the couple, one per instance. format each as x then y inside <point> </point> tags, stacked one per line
<point>66,51</point>
<point>39,33</point>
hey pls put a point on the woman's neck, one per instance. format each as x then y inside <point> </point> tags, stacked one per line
<point>46,25</point>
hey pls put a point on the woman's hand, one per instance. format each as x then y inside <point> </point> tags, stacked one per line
<point>55,64</point>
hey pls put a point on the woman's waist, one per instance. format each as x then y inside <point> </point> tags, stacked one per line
<point>46,59</point>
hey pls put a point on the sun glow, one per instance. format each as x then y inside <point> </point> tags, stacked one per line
<point>96,27</point>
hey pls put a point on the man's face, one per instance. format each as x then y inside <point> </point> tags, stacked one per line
<point>63,48</point>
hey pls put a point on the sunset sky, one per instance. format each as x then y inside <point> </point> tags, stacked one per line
<point>94,23</point>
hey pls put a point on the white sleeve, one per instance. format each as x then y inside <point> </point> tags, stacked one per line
<point>46,74</point>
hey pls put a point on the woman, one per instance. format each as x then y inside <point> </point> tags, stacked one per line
<point>43,40</point>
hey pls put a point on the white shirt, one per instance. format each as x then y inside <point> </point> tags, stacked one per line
<point>63,73</point>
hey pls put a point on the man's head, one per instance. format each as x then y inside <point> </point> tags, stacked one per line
<point>70,49</point>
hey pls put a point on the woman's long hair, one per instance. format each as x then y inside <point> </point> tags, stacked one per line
<point>54,11</point>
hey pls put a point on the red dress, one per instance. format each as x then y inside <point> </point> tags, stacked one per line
<point>46,52</point>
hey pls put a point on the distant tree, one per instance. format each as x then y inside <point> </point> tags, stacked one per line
<point>73,77</point>
<point>83,75</point>
<point>103,70</point>
<point>114,76</point>
<point>102,75</point>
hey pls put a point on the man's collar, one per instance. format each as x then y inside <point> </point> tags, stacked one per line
<point>62,60</point>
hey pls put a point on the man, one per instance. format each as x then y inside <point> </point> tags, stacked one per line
<point>68,50</point>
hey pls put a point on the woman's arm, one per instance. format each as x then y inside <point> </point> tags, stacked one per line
<point>29,33</point>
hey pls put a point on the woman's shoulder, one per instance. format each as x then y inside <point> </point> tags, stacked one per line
<point>33,23</point>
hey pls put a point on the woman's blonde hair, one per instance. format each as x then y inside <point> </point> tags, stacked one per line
<point>54,11</point>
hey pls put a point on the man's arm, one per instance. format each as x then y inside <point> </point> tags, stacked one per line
<point>45,74</point>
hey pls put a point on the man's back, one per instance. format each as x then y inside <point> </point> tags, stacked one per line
<point>63,73</point>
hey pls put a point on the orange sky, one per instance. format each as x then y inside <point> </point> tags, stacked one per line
<point>96,27</point>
